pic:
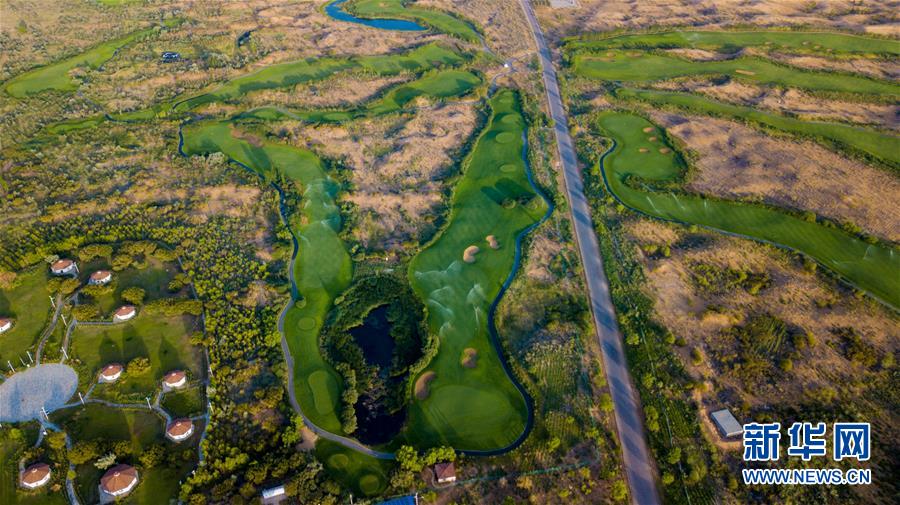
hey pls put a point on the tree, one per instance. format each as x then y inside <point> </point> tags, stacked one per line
<point>293,433</point>
<point>138,365</point>
<point>56,440</point>
<point>152,456</point>
<point>436,454</point>
<point>408,458</point>
<point>606,403</point>
<point>106,461</point>
<point>134,295</point>
<point>674,455</point>
<point>82,452</point>
<point>619,491</point>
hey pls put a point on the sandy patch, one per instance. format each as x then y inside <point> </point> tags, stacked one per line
<point>492,242</point>
<point>469,358</point>
<point>647,129</point>
<point>421,388</point>
<point>469,253</point>
<point>643,150</point>
<point>744,72</point>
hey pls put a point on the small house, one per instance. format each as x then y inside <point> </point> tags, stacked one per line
<point>119,480</point>
<point>445,473</point>
<point>179,430</point>
<point>273,494</point>
<point>175,379</point>
<point>63,267</point>
<point>6,324</point>
<point>100,277</point>
<point>35,476</point>
<point>111,372</point>
<point>726,423</point>
<point>124,313</point>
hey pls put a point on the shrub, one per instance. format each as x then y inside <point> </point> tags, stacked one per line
<point>134,295</point>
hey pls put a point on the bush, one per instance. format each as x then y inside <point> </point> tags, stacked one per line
<point>138,365</point>
<point>86,311</point>
<point>134,295</point>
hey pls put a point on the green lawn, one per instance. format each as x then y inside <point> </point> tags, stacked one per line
<point>139,427</point>
<point>184,403</point>
<point>879,145</point>
<point>55,76</point>
<point>437,85</point>
<point>439,20</point>
<point>871,267</point>
<point>475,408</point>
<point>629,66</point>
<point>28,303</point>
<point>289,74</point>
<point>11,449</point>
<point>817,42</point>
<point>165,341</point>
<point>154,280</point>
<point>363,474</point>
<point>322,269</point>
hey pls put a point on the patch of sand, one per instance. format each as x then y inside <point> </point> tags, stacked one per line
<point>469,253</point>
<point>421,388</point>
<point>492,241</point>
<point>744,72</point>
<point>469,358</point>
<point>643,150</point>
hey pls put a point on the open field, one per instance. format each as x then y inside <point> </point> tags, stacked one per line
<point>165,341</point>
<point>437,85</point>
<point>636,159</point>
<point>322,268</point>
<point>363,474</point>
<point>879,145</point>
<point>186,402</point>
<point>439,20</point>
<point>475,408</point>
<point>28,303</point>
<point>153,278</point>
<point>55,76</point>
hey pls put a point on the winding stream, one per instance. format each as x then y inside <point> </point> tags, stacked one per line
<point>335,11</point>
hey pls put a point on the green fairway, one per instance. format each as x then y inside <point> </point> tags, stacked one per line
<point>630,66</point>
<point>322,268</point>
<point>165,341</point>
<point>869,266</point>
<point>815,42</point>
<point>438,85</point>
<point>881,146</point>
<point>28,304</point>
<point>475,408</point>
<point>55,76</point>
<point>296,72</point>
<point>363,474</point>
<point>439,20</point>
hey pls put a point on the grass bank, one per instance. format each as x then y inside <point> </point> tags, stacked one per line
<point>477,407</point>
<point>436,19</point>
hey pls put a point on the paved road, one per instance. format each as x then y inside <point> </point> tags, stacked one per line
<point>629,421</point>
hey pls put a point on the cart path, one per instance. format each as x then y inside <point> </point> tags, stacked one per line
<point>639,467</point>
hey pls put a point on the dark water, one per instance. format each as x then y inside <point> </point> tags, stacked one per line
<point>375,425</point>
<point>335,11</point>
<point>374,338</point>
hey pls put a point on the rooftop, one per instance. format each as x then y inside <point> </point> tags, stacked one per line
<point>35,473</point>
<point>174,377</point>
<point>179,427</point>
<point>118,478</point>
<point>726,422</point>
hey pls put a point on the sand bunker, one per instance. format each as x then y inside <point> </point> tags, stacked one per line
<point>469,253</point>
<point>643,150</point>
<point>492,241</point>
<point>422,385</point>
<point>648,129</point>
<point>652,139</point>
<point>469,358</point>
<point>665,150</point>
<point>744,72</point>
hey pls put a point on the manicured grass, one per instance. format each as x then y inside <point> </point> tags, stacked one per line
<point>441,84</point>
<point>363,474</point>
<point>439,20</point>
<point>55,76</point>
<point>882,146</point>
<point>165,341</point>
<point>11,450</point>
<point>29,305</point>
<point>185,402</point>
<point>630,66</point>
<point>475,408</point>
<point>821,42</point>
<point>154,280</point>
<point>322,268</point>
<point>871,267</point>
<point>141,428</point>
<point>296,72</point>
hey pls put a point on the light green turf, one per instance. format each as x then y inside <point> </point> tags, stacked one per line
<point>879,145</point>
<point>296,72</point>
<point>165,341</point>
<point>441,84</point>
<point>55,76</point>
<point>820,42</point>
<point>322,269</point>
<point>871,267</point>
<point>363,474</point>
<point>29,305</point>
<point>439,20</point>
<point>480,408</point>
<point>630,66</point>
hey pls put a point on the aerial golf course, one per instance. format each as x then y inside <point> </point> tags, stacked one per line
<point>641,160</point>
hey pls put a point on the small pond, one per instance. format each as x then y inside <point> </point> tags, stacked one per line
<point>335,10</point>
<point>374,338</point>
